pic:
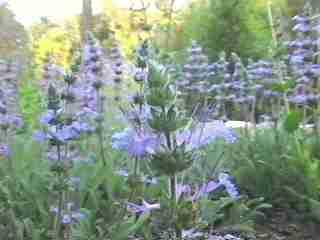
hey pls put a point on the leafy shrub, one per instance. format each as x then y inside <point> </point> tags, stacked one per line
<point>271,162</point>
<point>231,26</point>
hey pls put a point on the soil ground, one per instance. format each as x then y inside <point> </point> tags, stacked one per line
<point>283,226</point>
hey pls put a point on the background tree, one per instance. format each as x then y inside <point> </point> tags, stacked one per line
<point>239,26</point>
<point>13,36</point>
<point>87,18</point>
<point>57,41</point>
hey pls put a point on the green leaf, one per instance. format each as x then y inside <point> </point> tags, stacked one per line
<point>128,228</point>
<point>283,87</point>
<point>292,121</point>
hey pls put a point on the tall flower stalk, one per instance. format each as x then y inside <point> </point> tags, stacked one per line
<point>10,118</point>
<point>164,137</point>
<point>93,83</point>
<point>303,64</point>
<point>61,129</point>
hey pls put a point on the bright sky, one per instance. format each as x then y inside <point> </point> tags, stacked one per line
<point>30,11</point>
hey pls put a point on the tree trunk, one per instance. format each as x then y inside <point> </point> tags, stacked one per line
<point>87,18</point>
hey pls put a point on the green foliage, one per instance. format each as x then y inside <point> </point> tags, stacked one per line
<point>56,41</point>
<point>13,37</point>
<point>271,161</point>
<point>31,99</point>
<point>231,26</point>
<point>230,215</point>
<point>169,163</point>
<point>293,121</point>
<point>24,190</point>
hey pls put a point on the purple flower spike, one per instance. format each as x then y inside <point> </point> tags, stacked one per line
<point>303,27</point>
<point>229,183</point>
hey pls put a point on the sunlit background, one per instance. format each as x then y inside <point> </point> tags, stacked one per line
<point>30,11</point>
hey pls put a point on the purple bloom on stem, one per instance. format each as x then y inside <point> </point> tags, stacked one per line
<point>49,118</point>
<point>121,141</point>
<point>150,180</point>
<point>82,127</point>
<point>225,182</point>
<point>206,133</point>
<point>315,69</point>
<point>122,173</point>
<point>11,121</point>
<point>229,183</point>
<point>208,188</point>
<point>137,144</point>
<point>183,190</point>
<point>300,99</point>
<point>5,151</point>
<point>40,136</point>
<point>143,209</point>
<point>302,27</point>
<point>66,219</point>
<point>78,216</point>
<point>143,145</point>
<point>191,234</point>
<point>65,134</point>
<point>69,216</point>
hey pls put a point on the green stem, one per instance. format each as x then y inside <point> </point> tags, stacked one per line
<point>173,184</point>
<point>136,167</point>
<point>60,197</point>
<point>100,138</point>
<point>100,129</point>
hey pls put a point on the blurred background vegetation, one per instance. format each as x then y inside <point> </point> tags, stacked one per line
<point>240,26</point>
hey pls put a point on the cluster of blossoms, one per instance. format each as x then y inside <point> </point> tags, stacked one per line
<point>143,143</point>
<point>117,69</point>
<point>225,182</point>
<point>235,88</point>
<point>196,71</point>
<point>142,209</point>
<point>229,85</point>
<point>262,76</point>
<point>193,234</point>
<point>10,118</point>
<point>70,215</point>
<point>62,127</point>
<point>137,143</point>
<point>196,78</point>
<point>302,59</point>
<point>92,80</point>
<point>52,75</point>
